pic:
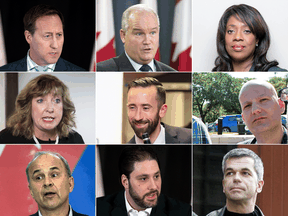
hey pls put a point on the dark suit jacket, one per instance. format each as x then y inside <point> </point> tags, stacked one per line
<point>122,63</point>
<point>21,65</point>
<point>114,205</point>
<point>173,135</point>
<point>74,214</point>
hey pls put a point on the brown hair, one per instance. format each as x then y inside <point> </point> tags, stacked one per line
<point>39,11</point>
<point>147,82</point>
<point>21,121</point>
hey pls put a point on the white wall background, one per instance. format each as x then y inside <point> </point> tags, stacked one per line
<point>206,16</point>
<point>2,101</point>
<point>109,100</point>
<point>82,93</point>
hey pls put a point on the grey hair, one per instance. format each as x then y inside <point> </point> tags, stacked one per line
<point>244,152</point>
<point>129,11</point>
<point>57,155</point>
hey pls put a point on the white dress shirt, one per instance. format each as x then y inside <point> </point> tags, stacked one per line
<point>133,212</point>
<point>137,66</point>
<point>70,212</point>
<point>33,67</point>
<point>160,139</point>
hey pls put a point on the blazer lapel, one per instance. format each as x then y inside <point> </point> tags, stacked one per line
<point>158,68</point>
<point>170,134</point>
<point>123,63</point>
<point>119,205</point>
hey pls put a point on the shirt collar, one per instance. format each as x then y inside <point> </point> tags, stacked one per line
<point>31,65</point>
<point>160,139</point>
<point>130,209</point>
<point>70,212</point>
<point>137,66</point>
<point>283,141</point>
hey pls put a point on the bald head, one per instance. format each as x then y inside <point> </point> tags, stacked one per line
<point>136,9</point>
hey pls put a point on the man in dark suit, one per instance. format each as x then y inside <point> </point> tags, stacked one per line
<point>140,36</point>
<point>141,178</point>
<point>50,182</point>
<point>44,33</point>
<point>146,106</point>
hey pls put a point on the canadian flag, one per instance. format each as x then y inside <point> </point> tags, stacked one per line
<point>3,60</point>
<point>181,50</point>
<point>105,34</point>
<point>152,4</point>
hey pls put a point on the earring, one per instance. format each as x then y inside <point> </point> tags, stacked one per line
<point>257,45</point>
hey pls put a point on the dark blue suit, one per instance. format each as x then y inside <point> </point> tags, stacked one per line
<point>21,65</point>
<point>74,214</point>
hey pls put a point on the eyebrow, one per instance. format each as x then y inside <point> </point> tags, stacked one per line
<point>51,169</point>
<point>136,29</point>
<point>243,169</point>
<point>146,175</point>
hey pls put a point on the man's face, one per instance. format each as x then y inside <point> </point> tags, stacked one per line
<point>240,180</point>
<point>49,183</point>
<point>143,112</point>
<point>47,42</point>
<point>261,109</point>
<point>141,40</point>
<point>144,185</point>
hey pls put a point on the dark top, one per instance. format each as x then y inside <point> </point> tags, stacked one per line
<point>6,137</point>
<point>122,63</point>
<point>74,214</point>
<point>21,65</point>
<point>228,213</point>
<point>273,68</point>
<point>114,205</point>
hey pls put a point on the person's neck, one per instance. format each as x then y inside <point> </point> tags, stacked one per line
<point>155,134</point>
<point>241,206</point>
<point>273,136</point>
<point>242,66</point>
<point>45,135</point>
<point>61,211</point>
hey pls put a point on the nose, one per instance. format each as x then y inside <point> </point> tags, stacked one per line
<point>238,36</point>
<point>50,107</point>
<point>256,108</point>
<point>48,182</point>
<point>147,39</point>
<point>139,115</point>
<point>237,177</point>
<point>153,184</point>
<point>54,42</point>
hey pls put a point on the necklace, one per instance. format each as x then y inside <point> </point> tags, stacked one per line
<point>37,142</point>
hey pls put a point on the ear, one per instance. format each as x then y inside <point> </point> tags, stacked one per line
<point>259,186</point>
<point>124,181</point>
<point>31,192</point>
<point>223,186</point>
<point>122,35</point>
<point>28,36</point>
<point>163,110</point>
<point>71,184</point>
<point>282,105</point>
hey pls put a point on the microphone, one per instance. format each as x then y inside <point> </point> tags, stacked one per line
<point>146,139</point>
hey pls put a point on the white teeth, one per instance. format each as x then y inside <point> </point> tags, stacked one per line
<point>48,119</point>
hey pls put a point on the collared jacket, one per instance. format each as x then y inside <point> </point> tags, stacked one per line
<point>220,212</point>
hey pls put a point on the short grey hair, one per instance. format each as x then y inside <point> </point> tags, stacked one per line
<point>244,152</point>
<point>129,11</point>
<point>57,155</point>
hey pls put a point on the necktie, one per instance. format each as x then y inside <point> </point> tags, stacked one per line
<point>41,69</point>
<point>145,67</point>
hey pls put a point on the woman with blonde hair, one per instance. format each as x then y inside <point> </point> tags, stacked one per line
<point>44,114</point>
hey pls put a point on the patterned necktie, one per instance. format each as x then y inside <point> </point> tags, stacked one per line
<point>41,69</point>
<point>145,67</point>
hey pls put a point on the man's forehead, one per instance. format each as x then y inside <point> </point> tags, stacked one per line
<point>256,90</point>
<point>239,163</point>
<point>146,167</point>
<point>142,91</point>
<point>46,161</point>
<point>141,15</point>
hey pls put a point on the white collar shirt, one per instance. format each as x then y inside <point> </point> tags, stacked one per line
<point>33,67</point>
<point>137,66</point>
<point>70,212</point>
<point>133,212</point>
<point>160,139</point>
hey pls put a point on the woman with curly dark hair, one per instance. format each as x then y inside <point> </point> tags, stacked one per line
<point>44,113</point>
<point>243,40</point>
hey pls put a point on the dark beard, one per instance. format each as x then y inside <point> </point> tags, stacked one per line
<point>140,201</point>
<point>150,129</point>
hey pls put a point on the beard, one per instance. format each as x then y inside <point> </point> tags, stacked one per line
<point>150,127</point>
<point>140,201</point>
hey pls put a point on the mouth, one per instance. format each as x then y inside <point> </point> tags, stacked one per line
<point>236,189</point>
<point>152,196</point>
<point>53,54</point>
<point>258,119</point>
<point>238,48</point>
<point>147,50</point>
<point>49,194</point>
<point>48,119</point>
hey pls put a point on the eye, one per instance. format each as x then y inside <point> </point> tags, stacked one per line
<point>153,33</point>
<point>40,100</point>
<point>229,173</point>
<point>54,175</point>
<point>246,173</point>
<point>247,106</point>
<point>263,100</point>
<point>143,179</point>
<point>157,176</point>
<point>138,33</point>
<point>247,31</point>
<point>230,31</point>
<point>46,36</point>
<point>59,34</point>
<point>131,107</point>
<point>146,108</point>
<point>57,100</point>
<point>38,178</point>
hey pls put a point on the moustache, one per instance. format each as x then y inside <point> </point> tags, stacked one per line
<point>151,192</point>
<point>140,121</point>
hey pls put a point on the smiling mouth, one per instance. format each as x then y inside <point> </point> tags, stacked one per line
<point>238,47</point>
<point>48,119</point>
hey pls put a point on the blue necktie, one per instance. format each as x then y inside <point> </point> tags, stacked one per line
<point>145,67</point>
